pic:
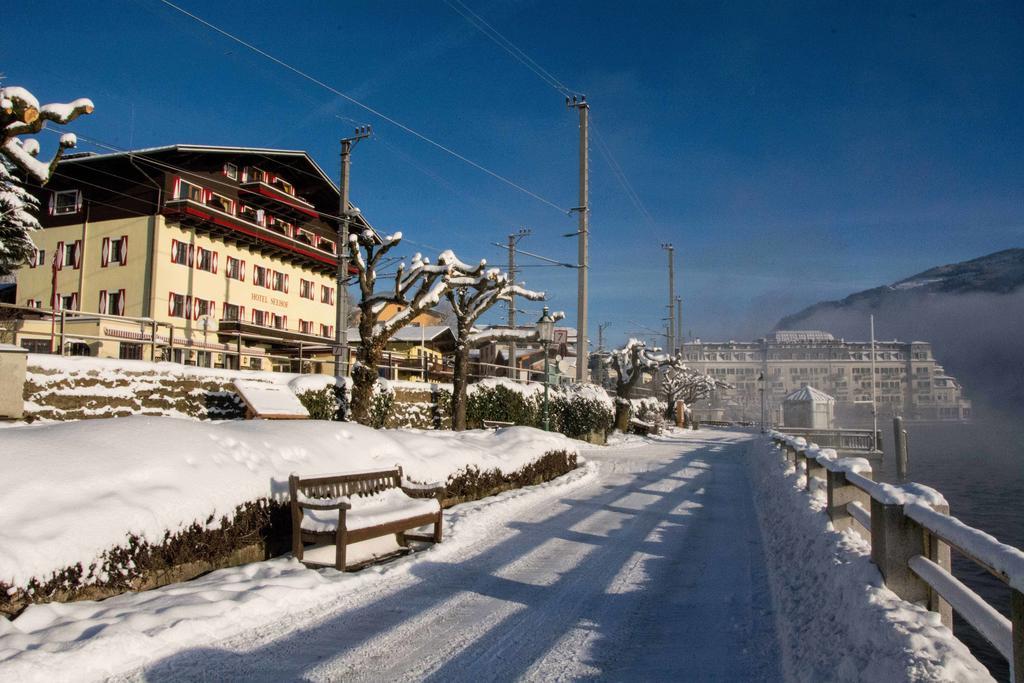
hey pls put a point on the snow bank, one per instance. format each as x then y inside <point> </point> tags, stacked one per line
<point>74,490</point>
<point>826,589</point>
<point>95,640</point>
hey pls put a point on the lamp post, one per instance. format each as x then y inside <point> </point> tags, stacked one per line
<point>546,333</point>
<point>760,387</point>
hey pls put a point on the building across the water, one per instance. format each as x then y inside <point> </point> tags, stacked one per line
<point>908,379</point>
<point>214,256</point>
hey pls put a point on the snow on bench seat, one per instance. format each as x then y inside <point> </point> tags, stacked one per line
<point>386,506</point>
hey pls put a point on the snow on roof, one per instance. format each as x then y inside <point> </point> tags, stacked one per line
<point>270,400</point>
<point>791,336</point>
<point>809,394</point>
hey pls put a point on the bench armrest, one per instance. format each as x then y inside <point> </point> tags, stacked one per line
<point>414,490</point>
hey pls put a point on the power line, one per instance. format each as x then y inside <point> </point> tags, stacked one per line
<point>507,45</point>
<point>366,107</point>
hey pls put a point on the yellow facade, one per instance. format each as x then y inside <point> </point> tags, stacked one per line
<point>150,279</point>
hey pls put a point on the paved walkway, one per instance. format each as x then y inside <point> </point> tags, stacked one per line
<point>653,570</point>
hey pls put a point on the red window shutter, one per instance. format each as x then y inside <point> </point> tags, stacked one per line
<point>74,301</point>
<point>286,283</point>
<point>242,269</point>
<point>174,251</point>
<point>103,301</point>
<point>120,301</point>
<point>170,304</point>
<point>124,250</point>
<point>191,254</point>
<point>215,255</point>
<point>78,254</point>
<point>241,313</point>
<point>53,201</point>
<point>59,256</point>
<point>105,253</point>
<point>188,306</point>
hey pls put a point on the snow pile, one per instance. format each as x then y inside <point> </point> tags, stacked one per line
<point>826,589</point>
<point>93,640</point>
<point>148,475</point>
<point>528,391</point>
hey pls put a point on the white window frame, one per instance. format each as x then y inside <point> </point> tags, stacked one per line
<point>76,205</point>
<point>231,170</point>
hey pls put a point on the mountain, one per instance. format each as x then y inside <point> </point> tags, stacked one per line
<point>972,312</point>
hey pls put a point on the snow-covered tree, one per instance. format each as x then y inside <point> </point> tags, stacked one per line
<point>630,363</point>
<point>681,383</point>
<point>472,291</point>
<point>416,289</point>
<point>20,115</point>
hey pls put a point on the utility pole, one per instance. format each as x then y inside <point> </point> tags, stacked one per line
<point>667,246</point>
<point>513,239</point>
<point>583,211</point>
<point>341,308</point>
<point>679,322</point>
<point>874,396</point>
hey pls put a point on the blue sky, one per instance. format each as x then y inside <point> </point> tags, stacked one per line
<point>791,151</point>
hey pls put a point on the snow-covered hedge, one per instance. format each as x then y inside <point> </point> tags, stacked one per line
<point>576,410</point>
<point>94,508</point>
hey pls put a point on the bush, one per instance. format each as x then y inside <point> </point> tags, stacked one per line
<point>323,404</point>
<point>472,483</point>
<point>503,403</point>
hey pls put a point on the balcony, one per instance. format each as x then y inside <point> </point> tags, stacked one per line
<point>268,191</point>
<point>214,219</point>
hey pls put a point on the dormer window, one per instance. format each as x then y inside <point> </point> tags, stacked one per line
<point>66,202</point>
<point>231,171</point>
<point>187,190</point>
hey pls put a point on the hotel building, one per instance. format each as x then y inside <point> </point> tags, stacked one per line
<point>908,380</point>
<point>213,256</point>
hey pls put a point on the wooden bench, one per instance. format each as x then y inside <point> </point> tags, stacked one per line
<point>356,506</point>
<point>497,424</point>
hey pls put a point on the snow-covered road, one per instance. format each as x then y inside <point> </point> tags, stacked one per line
<point>652,569</point>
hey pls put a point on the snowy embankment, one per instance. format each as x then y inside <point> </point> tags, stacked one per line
<point>95,640</point>
<point>830,597</point>
<point>75,490</point>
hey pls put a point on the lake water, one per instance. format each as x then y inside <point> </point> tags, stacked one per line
<point>979,468</point>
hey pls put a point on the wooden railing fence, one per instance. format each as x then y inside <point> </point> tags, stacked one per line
<point>912,534</point>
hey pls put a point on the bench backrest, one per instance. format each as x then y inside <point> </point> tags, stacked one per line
<point>338,485</point>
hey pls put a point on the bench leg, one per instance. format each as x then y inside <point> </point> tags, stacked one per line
<point>437,529</point>
<point>297,533</point>
<point>340,539</point>
<point>401,539</point>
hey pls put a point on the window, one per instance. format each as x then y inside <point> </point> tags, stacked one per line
<point>221,203</point>
<point>38,258</point>
<point>326,294</point>
<point>206,260</point>
<point>181,253</point>
<point>306,326</point>
<point>36,345</point>
<point>119,250</point>
<point>68,302</point>
<point>202,307</point>
<point>259,276</point>
<point>278,281</point>
<point>130,351</point>
<point>113,302</point>
<point>176,307</point>
<point>305,236</point>
<point>232,312</point>
<point>250,213</point>
<point>259,317</point>
<point>34,303</point>
<point>187,190</point>
<point>326,330</point>
<point>65,202</point>
<point>306,289</point>
<point>71,254</point>
<point>236,269</point>
<point>204,359</point>
<point>279,322</point>
<point>231,171</point>
<point>326,245</point>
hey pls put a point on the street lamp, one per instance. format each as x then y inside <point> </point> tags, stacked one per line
<point>546,334</point>
<point>760,387</point>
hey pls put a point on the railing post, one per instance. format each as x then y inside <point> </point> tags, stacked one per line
<point>895,538</point>
<point>939,553</point>
<point>1017,624</point>
<point>152,344</point>
<point>813,468</point>
<point>840,493</point>
<point>62,316</point>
